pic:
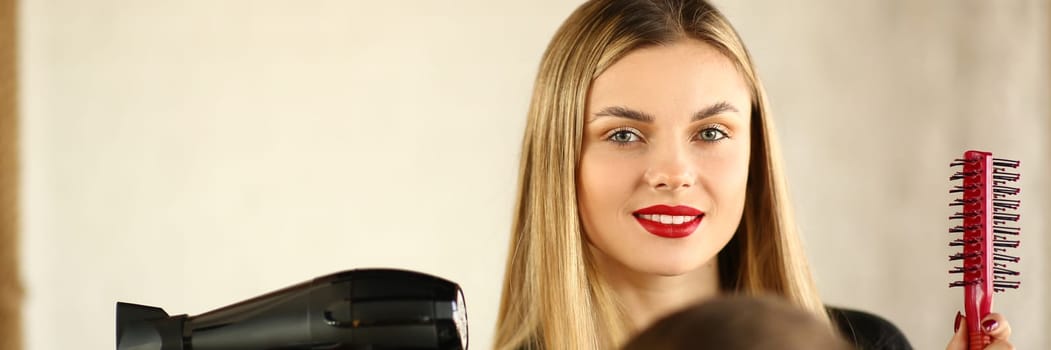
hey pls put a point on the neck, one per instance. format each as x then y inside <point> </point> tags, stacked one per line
<point>648,297</point>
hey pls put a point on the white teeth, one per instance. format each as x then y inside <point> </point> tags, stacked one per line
<point>667,219</point>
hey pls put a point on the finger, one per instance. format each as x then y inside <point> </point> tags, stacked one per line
<point>1000,345</point>
<point>959,339</point>
<point>997,327</point>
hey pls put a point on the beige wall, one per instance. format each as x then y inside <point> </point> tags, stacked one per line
<point>10,283</point>
<point>873,100</point>
<point>191,154</point>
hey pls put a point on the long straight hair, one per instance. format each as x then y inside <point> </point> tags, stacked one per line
<point>553,297</point>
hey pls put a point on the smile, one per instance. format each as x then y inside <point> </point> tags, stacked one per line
<point>668,221</point>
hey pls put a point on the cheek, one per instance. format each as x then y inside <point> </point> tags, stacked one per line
<point>727,179</point>
<point>604,187</point>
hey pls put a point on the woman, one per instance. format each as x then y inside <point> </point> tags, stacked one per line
<point>649,181</point>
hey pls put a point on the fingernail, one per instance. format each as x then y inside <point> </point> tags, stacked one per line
<point>989,325</point>
<point>956,324</point>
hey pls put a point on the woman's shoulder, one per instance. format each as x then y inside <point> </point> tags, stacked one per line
<point>868,331</point>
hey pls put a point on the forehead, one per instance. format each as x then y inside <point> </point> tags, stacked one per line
<point>674,78</point>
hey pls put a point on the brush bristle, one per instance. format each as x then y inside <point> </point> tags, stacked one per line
<point>987,220</point>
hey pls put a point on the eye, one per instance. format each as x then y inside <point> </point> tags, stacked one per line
<point>712,134</point>
<point>624,136</point>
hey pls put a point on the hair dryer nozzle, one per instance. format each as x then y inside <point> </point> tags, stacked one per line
<point>141,327</point>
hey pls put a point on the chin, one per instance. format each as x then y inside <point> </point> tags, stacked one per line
<point>663,266</point>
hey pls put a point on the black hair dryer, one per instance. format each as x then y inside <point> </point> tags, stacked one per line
<point>368,309</point>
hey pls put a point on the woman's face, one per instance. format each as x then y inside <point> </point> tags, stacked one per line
<point>664,163</point>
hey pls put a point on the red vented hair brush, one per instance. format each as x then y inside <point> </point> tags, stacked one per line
<point>987,220</point>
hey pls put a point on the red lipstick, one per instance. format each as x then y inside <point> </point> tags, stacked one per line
<point>669,222</point>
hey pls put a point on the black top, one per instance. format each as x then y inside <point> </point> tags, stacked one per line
<point>868,331</point>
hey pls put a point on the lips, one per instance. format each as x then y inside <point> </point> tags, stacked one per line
<point>668,221</point>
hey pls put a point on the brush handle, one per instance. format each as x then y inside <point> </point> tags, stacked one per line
<point>976,306</point>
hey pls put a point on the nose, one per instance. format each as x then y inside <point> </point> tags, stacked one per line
<point>671,169</point>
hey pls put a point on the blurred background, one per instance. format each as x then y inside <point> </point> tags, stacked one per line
<point>192,154</point>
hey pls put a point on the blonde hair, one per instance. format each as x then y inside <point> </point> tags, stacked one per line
<point>552,296</point>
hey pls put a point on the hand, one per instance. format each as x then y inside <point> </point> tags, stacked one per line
<point>996,326</point>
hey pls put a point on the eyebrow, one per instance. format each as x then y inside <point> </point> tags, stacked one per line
<point>628,113</point>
